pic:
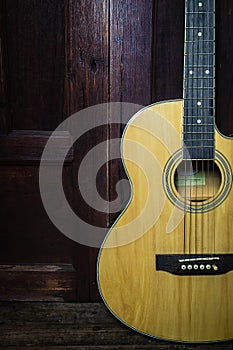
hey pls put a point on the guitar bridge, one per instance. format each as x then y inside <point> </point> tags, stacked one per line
<point>194,264</point>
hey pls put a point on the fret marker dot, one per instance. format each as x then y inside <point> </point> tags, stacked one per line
<point>207,72</point>
<point>199,103</point>
<point>198,121</point>
<point>199,34</point>
<point>191,72</point>
<point>200,4</point>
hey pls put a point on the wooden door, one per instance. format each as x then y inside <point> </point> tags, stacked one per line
<point>57,58</point>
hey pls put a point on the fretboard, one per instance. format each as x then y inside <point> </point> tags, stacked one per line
<point>199,80</point>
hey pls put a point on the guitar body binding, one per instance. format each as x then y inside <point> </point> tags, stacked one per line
<point>138,278</point>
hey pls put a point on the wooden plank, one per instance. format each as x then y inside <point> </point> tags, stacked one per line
<point>38,282</point>
<point>224,66</point>
<point>87,81</point>
<point>82,314</point>
<point>168,50</point>
<point>76,326</point>
<point>86,53</point>
<point>26,147</point>
<point>27,234</point>
<point>85,326</point>
<point>96,347</point>
<point>131,27</point>
<point>36,63</point>
<point>130,51</point>
<point>69,335</point>
<point>4,120</point>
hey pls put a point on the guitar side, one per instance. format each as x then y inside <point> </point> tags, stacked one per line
<point>193,308</point>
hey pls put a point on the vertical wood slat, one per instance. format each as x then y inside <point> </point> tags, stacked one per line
<point>130,51</point>
<point>36,63</point>
<point>87,61</point>
<point>168,50</point>
<point>4,121</point>
<point>87,53</point>
<point>224,66</point>
<point>131,27</point>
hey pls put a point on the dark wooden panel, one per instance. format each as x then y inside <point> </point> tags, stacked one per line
<point>36,63</point>
<point>94,347</point>
<point>131,27</point>
<point>76,326</point>
<point>4,120</point>
<point>168,50</point>
<point>87,84</point>
<point>26,147</point>
<point>130,51</point>
<point>224,66</point>
<point>38,282</point>
<point>87,53</point>
<point>27,234</point>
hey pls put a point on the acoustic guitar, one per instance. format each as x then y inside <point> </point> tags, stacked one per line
<point>166,266</point>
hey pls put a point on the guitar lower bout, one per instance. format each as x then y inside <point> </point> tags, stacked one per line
<point>165,268</point>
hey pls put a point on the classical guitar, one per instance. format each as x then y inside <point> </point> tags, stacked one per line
<point>166,266</point>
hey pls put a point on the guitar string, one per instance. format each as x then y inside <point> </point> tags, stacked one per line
<point>190,59</point>
<point>214,235</point>
<point>185,87</point>
<point>192,222</point>
<point>208,162</point>
<point>202,137</point>
<point>197,16</point>
<point>211,161</point>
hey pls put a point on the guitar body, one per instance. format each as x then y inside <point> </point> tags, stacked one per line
<point>193,302</point>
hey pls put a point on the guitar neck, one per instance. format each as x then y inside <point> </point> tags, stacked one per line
<point>199,80</point>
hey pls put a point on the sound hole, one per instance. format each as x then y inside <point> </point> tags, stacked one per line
<point>197,181</point>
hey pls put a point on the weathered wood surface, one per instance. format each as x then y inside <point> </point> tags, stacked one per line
<point>51,326</point>
<point>38,282</point>
<point>66,55</point>
<point>26,147</point>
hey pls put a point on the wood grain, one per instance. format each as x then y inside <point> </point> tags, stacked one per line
<point>38,282</point>
<point>4,119</point>
<point>26,147</point>
<point>36,63</point>
<point>158,303</point>
<point>84,326</point>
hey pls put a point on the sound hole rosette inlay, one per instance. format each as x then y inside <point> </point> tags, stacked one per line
<point>184,202</point>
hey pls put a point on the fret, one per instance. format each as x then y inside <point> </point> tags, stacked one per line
<point>198,144</point>
<point>199,54</point>
<point>198,132</point>
<point>201,60</point>
<point>201,104</point>
<point>192,33</point>
<point>199,27</point>
<point>198,153</point>
<point>198,139</point>
<point>201,112</point>
<point>206,72</point>
<point>202,84</point>
<point>198,12</point>
<point>196,120</point>
<point>194,99</point>
<point>207,47</point>
<point>197,6</point>
<point>199,125</point>
<point>200,19</point>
